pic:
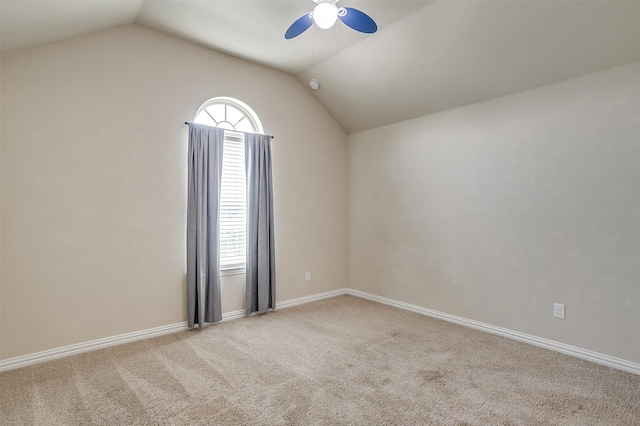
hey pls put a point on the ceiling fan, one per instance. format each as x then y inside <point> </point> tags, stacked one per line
<point>325,15</point>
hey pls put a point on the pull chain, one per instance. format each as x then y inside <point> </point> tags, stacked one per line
<point>313,44</point>
<point>337,39</point>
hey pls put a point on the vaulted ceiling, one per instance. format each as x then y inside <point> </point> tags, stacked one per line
<point>427,56</point>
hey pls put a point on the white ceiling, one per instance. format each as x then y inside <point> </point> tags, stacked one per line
<point>427,56</point>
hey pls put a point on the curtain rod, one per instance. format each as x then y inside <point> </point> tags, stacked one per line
<point>237,131</point>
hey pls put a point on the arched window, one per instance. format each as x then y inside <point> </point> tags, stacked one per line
<point>234,116</point>
<point>230,114</point>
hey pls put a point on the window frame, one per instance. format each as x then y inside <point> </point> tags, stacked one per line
<point>245,109</point>
<point>233,136</point>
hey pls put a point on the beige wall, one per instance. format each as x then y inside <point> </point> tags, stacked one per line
<point>492,211</point>
<point>93,175</point>
<point>497,210</point>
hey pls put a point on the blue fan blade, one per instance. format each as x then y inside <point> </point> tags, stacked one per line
<point>298,27</point>
<point>359,21</point>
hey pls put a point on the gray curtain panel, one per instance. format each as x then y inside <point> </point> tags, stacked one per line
<point>261,269</point>
<point>203,224</point>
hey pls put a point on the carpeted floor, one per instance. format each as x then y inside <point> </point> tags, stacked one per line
<point>342,360</point>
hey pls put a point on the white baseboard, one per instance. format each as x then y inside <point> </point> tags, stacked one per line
<point>228,316</point>
<point>51,354</point>
<point>25,360</point>
<point>312,298</point>
<point>620,364</point>
<point>288,303</point>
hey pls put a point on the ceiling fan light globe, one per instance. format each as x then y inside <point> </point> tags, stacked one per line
<point>325,15</point>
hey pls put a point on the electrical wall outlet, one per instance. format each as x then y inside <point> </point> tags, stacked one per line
<point>558,310</point>
<point>307,276</point>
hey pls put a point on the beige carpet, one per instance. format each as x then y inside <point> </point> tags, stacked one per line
<point>338,361</point>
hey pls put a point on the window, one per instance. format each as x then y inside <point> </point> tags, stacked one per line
<point>235,117</point>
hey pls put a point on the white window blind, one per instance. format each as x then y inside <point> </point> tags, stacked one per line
<point>233,199</point>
